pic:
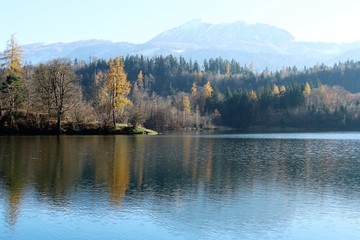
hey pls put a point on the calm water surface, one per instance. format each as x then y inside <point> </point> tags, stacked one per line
<point>188,186</point>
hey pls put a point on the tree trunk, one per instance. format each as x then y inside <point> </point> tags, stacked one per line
<point>114,121</point>
<point>58,124</point>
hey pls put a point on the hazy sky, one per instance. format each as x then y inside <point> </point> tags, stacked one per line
<point>139,20</point>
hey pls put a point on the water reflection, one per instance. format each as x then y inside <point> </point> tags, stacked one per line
<point>120,177</point>
<point>13,175</point>
<point>195,183</point>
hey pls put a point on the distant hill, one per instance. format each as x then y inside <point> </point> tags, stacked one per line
<point>260,44</point>
<point>40,52</point>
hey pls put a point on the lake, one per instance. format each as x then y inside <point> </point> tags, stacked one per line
<point>181,186</point>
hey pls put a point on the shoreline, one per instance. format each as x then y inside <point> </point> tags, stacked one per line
<point>67,130</point>
<point>124,129</point>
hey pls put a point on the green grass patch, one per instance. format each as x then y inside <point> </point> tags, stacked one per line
<point>130,130</point>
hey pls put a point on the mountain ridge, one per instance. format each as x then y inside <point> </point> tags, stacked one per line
<point>261,44</point>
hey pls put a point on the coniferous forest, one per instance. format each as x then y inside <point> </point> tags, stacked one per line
<point>166,92</point>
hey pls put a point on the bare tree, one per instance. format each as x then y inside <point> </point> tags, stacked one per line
<point>57,88</point>
<point>138,110</point>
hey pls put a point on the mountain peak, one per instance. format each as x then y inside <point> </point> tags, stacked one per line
<point>193,23</point>
<point>196,32</point>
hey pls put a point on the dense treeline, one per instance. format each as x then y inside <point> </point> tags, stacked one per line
<point>165,92</point>
<point>317,97</point>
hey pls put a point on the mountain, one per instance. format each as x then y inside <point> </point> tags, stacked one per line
<point>260,44</point>
<point>238,36</point>
<point>40,52</point>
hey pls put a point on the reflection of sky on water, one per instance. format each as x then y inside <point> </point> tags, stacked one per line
<point>305,135</point>
<point>172,187</point>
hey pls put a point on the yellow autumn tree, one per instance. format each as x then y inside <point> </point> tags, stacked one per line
<point>194,98</point>
<point>228,68</point>
<point>186,104</point>
<point>208,90</point>
<point>253,96</point>
<point>117,87</point>
<point>12,58</point>
<point>194,89</point>
<point>282,89</point>
<point>140,80</point>
<point>275,90</point>
<point>12,86</point>
<point>307,89</point>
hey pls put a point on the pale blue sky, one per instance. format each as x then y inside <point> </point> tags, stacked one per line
<point>139,20</point>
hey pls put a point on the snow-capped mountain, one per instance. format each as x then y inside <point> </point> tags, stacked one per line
<point>260,44</point>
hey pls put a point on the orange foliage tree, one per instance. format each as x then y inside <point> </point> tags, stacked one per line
<point>117,87</point>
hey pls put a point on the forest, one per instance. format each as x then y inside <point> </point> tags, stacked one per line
<point>166,92</point>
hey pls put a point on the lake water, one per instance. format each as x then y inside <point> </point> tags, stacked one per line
<point>185,186</point>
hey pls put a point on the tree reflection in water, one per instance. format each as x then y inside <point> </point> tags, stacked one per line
<point>121,169</point>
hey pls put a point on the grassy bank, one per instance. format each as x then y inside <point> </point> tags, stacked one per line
<point>130,130</point>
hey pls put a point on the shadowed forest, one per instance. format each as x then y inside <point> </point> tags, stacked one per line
<point>166,92</point>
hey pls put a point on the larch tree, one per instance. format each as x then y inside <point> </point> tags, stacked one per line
<point>208,90</point>
<point>140,81</point>
<point>12,57</point>
<point>253,96</point>
<point>227,70</point>
<point>282,89</point>
<point>12,86</point>
<point>117,87</point>
<point>194,90</point>
<point>186,105</point>
<point>275,90</point>
<point>307,89</point>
